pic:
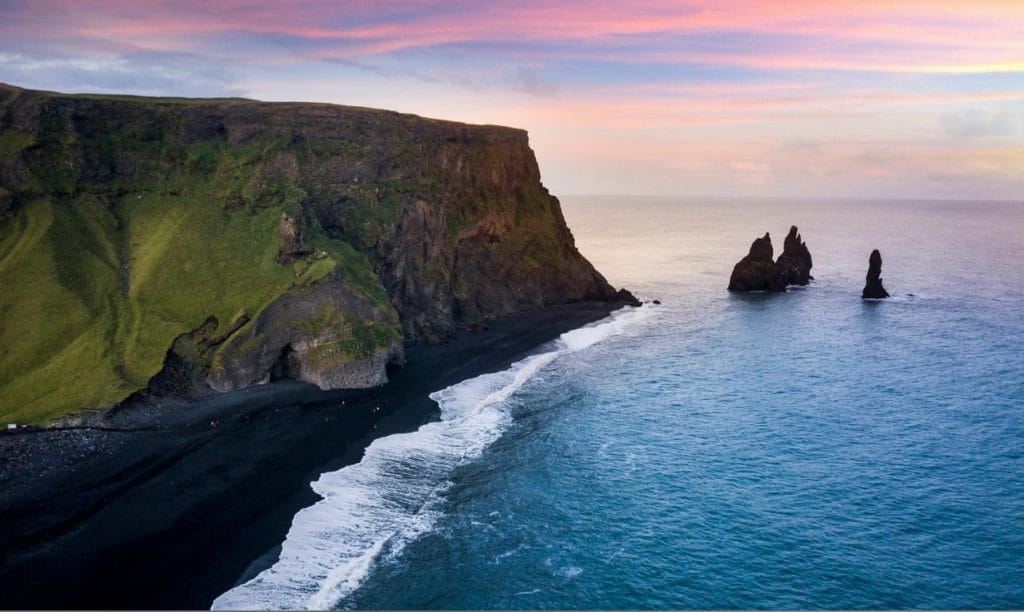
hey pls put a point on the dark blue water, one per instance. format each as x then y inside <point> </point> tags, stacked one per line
<point>801,450</point>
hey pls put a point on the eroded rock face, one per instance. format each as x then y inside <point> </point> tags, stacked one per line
<point>328,335</point>
<point>492,241</point>
<point>873,288</point>
<point>757,271</point>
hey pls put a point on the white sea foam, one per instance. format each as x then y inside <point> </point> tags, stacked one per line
<point>392,496</point>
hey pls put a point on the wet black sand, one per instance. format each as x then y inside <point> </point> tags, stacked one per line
<point>168,511</point>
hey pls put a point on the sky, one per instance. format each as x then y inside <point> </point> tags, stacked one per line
<point>786,98</point>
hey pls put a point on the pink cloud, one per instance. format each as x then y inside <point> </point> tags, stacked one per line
<point>680,136</point>
<point>934,33</point>
<point>731,105</point>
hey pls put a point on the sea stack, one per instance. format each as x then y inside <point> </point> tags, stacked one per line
<point>873,289</point>
<point>794,265</point>
<point>757,271</point>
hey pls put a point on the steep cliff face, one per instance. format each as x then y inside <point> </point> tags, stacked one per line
<point>205,245</point>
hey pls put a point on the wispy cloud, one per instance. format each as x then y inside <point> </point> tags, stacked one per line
<point>979,124</point>
<point>775,95</point>
<point>141,73</point>
<point>939,36</point>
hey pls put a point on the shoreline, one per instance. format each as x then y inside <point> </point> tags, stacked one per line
<point>174,510</point>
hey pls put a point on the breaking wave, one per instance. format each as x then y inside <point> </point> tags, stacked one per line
<point>394,494</point>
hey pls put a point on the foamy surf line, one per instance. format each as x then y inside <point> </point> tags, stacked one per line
<point>393,494</point>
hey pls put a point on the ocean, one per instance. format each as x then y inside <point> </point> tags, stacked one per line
<point>799,450</point>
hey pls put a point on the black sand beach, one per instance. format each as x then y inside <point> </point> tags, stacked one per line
<point>170,509</point>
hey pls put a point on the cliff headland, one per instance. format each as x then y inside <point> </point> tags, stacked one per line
<point>179,248</point>
<point>165,256</point>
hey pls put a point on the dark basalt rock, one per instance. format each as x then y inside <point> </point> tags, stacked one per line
<point>873,288</point>
<point>6,205</point>
<point>757,271</point>
<point>794,265</point>
<point>626,297</point>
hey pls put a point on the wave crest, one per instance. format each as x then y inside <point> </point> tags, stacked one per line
<point>391,496</point>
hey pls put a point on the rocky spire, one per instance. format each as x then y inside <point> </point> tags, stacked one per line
<point>873,288</point>
<point>794,265</point>
<point>757,271</point>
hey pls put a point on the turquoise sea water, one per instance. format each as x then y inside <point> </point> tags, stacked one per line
<point>799,450</point>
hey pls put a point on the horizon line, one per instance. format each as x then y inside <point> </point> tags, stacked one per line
<point>785,197</point>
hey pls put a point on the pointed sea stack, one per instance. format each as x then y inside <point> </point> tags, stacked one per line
<point>794,265</point>
<point>756,271</point>
<point>873,289</point>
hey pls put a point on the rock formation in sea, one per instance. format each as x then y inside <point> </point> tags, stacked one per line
<point>626,297</point>
<point>757,271</point>
<point>197,246</point>
<point>794,264</point>
<point>873,288</point>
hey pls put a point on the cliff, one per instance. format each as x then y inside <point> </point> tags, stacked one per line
<point>194,246</point>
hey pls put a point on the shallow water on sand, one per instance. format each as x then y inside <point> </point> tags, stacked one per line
<point>801,450</point>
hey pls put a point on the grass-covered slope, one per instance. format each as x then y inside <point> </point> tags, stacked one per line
<point>95,293</point>
<point>237,240</point>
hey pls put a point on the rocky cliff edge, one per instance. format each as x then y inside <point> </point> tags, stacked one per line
<point>194,246</point>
